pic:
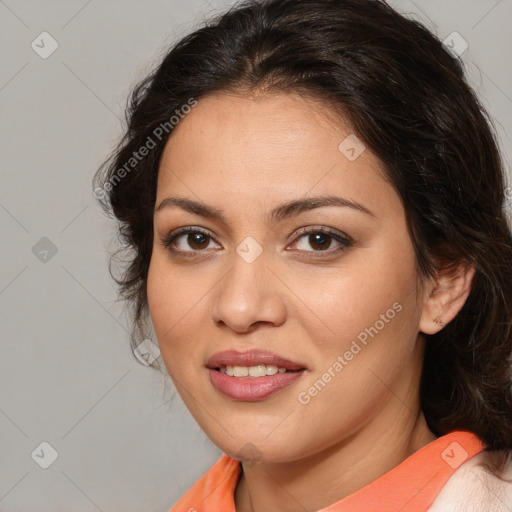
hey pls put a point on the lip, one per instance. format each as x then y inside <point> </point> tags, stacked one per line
<point>249,389</point>
<point>251,358</point>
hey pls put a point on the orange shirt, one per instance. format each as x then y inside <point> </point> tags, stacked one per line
<point>412,486</point>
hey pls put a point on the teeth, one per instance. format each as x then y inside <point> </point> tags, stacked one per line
<point>240,371</point>
<point>271,369</point>
<point>260,370</point>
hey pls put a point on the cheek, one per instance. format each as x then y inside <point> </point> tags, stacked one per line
<point>174,300</point>
<point>366,287</point>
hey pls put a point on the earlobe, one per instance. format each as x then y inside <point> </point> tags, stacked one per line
<point>444,296</point>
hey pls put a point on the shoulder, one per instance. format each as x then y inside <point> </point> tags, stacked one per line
<point>214,490</point>
<point>473,488</point>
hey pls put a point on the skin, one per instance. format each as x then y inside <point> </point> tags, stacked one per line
<point>245,155</point>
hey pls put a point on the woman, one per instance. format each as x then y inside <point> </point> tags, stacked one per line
<point>314,200</point>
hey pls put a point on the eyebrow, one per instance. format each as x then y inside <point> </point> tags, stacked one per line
<point>283,211</point>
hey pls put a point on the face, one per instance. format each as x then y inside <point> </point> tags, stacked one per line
<point>291,300</point>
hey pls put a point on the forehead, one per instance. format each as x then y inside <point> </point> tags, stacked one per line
<point>267,147</point>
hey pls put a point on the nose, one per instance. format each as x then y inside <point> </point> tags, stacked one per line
<point>247,296</point>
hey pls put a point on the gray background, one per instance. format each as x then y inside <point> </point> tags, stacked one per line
<point>67,376</point>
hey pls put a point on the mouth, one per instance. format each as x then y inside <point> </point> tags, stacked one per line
<point>253,375</point>
<point>257,371</point>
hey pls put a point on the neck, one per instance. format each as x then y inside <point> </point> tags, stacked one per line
<point>329,476</point>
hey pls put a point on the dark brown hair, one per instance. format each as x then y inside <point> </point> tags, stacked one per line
<point>407,99</point>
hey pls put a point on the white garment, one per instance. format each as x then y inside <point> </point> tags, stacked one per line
<point>472,488</point>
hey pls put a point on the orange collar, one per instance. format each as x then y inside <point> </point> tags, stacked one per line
<point>412,486</point>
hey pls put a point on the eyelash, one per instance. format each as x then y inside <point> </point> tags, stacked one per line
<point>344,240</point>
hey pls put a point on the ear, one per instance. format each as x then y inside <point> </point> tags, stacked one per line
<point>444,296</point>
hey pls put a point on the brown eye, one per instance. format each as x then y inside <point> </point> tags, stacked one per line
<point>188,240</point>
<point>198,240</point>
<point>321,240</point>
